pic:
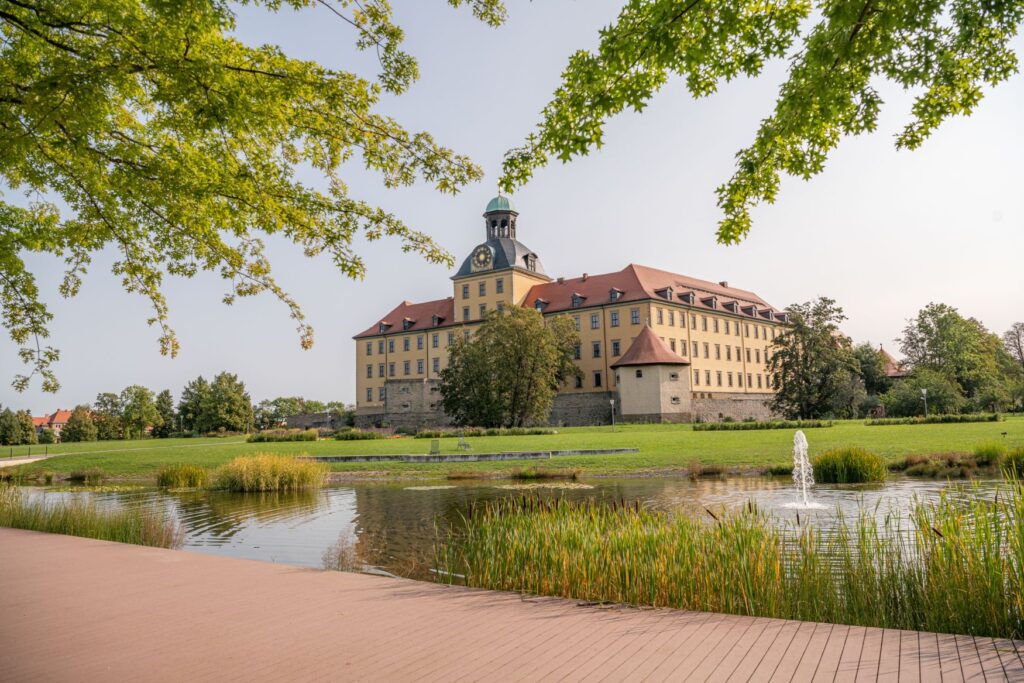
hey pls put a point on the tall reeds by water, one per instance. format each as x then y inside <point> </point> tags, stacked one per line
<point>76,517</point>
<point>265,472</point>
<point>950,566</point>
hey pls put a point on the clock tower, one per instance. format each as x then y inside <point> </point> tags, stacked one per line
<point>500,270</point>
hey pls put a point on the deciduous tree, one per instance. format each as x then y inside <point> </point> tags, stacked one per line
<point>138,411</point>
<point>106,415</point>
<point>508,372</point>
<point>190,407</point>
<point>905,398</point>
<point>1013,340</point>
<point>226,406</point>
<point>168,416</point>
<point>80,426</point>
<point>872,369</point>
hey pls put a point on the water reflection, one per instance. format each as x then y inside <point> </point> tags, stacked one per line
<point>393,525</point>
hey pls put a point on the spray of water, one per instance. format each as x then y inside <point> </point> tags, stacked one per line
<point>803,473</point>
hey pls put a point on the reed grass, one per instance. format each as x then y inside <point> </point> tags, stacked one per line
<point>266,472</point>
<point>78,517</point>
<point>1013,463</point>
<point>546,473</point>
<point>92,475</point>
<point>849,465</point>
<point>182,477</point>
<point>950,566</point>
<point>990,454</point>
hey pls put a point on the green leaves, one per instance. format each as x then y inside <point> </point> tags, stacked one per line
<point>171,141</point>
<point>948,50</point>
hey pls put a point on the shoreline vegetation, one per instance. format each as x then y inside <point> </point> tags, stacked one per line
<point>663,450</point>
<point>950,566</point>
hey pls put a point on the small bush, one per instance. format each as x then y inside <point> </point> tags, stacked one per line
<point>774,424</point>
<point>182,477</point>
<point>938,465</point>
<point>935,419</point>
<point>849,465</point>
<point>357,435</point>
<point>265,472</point>
<point>268,435</point>
<point>780,470</point>
<point>46,436</point>
<point>93,475</point>
<point>990,454</point>
<point>1013,463</point>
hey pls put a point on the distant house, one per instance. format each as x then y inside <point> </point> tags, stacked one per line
<point>54,422</point>
<point>893,369</point>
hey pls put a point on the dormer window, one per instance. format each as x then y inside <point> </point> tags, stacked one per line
<point>384,327</point>
<point>688,297</point>
<point>407,323</point>
<point>710,301</point>
<point>733,307</point>
<point>577,300</point>
<point>540,305</point>
<point>436,320</point>
<point>769,314</point>
<point>664,293</point>
<point>614,294</point>
<point>531,261</point>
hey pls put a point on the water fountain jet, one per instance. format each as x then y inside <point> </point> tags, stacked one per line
<point>803,474</point>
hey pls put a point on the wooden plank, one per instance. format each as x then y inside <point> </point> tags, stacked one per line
<point>815,650</point>
<point>740,663</point>
<point>740,637</point>
<point>779,649</point>
<point>666,646</point>
<point>787,665</point>
<point>970,662</point>
<point>682,661</point>
<point>828,662</point>
<point>1013,665</point>
<point>870,654</point>
<point>991,667</point>
<point>949,658</point>
<point>849,661</point>
<point>889,656</point>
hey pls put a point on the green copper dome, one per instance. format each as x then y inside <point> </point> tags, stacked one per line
<point>500,203</point>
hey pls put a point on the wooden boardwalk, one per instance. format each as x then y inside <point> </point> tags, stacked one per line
<point>84,610</point>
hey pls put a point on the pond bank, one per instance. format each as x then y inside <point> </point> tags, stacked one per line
<point>77,620</point>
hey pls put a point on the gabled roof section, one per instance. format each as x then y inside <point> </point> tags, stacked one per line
<point>648,349</point>
<point>892,368</point>
<point>419,317</point>
<point>639,283</point>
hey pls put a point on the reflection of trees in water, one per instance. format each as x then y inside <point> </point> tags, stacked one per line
<point>222,514</point>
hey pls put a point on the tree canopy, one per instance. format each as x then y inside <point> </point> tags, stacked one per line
<point>945,51</point>
<point>148,127</point>
<point>508,372</point>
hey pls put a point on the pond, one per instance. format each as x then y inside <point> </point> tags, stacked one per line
<point>392,526</point>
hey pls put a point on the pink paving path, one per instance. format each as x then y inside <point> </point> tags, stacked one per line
<point>74,609</point>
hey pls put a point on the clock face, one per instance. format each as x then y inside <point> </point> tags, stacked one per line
<point>482,257</point>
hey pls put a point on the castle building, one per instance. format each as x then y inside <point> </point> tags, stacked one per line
<point>654,345</point>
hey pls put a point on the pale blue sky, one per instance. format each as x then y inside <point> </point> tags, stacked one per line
<point>883,232</point>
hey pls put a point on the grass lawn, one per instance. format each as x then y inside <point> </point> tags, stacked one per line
<point>662,448</point>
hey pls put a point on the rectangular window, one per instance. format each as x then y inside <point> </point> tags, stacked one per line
<point>576,353</point>
<point>499,286</point>
<point>682,347</point>
<point>576,322</point>
<point>500,306</point>
<point>672,345</point>
<point>483,311</point>
<point>419,366</point>
<point>738,354</point>
<point>746,330</point>
<point>634,316</point>
<point>714,322</point>
<point>748,355</point>
<point>672,318</point>
<point>718,377</point>
<point>465,313</point>
<point>391,345</point>
<point>718,352</point>
<point>615,318</point>
<point>579,382</point>
<point>419,342</point>
<point>597,378</point>
<point>380,370</point>
<point>382,393</point>
<point>369,394</point>
<point>465,291</point>
<point>596,346</point>
<point>707,377</point>
<point>436,365</point>
<point>661,316</point>
<point>739,379</point>
<point>759,381</point>
<point>693,322</point>
<point>696,378</point>
<point>405,343</point>
<point>406,367</point>
<point>755,332</point>
<point>369,371</point>
<point>451,338</point>
<point>707,350</point>
<point>737,328</point>
<point>595,321</point>
<point>730,379</point>
<point>727,327</point>
<point>391,369</point>
<point>380,347</point>
<point>615,348</point>
<point>728,352</point>
<point>750,382</point>
<point>435,340</point>
<point>757,354</point>
<point>696,351</point>
<point>482,288</point>
<point>369,348</point>
<point>704,323</point>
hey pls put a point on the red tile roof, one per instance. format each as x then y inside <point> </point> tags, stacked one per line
<point>60,417</point>
<point>892,368</point>
<point>40,421</point>
<point>648,349</point>
<point>415,317</point>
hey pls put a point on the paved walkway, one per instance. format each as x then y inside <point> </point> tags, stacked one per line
<point>14,462</point>
<point>84,610</point>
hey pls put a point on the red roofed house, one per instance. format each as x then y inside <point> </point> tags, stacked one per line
<point>53,422</point>
<point>716,335</point>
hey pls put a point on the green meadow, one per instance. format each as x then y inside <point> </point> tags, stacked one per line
<point>662,448</point>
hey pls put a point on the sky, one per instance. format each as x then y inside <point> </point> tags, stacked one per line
<point>884,232</point>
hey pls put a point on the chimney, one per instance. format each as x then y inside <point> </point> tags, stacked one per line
<point>724,283</point>
<point>561,280</point>
<point>584,279</point>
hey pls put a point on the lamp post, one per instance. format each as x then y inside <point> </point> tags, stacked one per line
<point>924,395</point>
<point>612,402</point>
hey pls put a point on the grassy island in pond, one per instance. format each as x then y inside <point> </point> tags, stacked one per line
<point>662,448</point>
